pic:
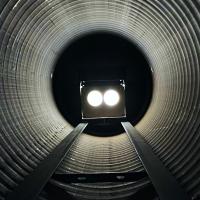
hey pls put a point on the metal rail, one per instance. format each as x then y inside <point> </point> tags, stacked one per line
<point>34,183</point>
<point>165,184</point>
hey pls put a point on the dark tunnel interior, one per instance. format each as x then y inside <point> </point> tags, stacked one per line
<point>102,56</point>
<point>48,46</point>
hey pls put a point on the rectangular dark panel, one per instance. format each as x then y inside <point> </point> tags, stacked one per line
<point>100,177</point>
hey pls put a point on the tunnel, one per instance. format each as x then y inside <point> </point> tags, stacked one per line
<point>33,36</point>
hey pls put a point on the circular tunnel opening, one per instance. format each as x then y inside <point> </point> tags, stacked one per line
<point>102,56</point>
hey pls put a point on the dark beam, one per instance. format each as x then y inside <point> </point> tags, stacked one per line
<point>34,182</point>
<point>165,184</point>
<point>100,177</point>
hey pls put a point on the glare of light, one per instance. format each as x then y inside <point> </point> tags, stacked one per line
<point>111,97</point>
<point>95,98</point>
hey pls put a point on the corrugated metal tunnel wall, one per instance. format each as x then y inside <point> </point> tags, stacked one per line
<point>33,33</point>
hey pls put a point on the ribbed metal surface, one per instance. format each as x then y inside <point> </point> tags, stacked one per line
<point>32,33</point>
<point>92,154</point>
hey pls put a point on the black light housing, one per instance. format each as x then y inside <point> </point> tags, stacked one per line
<point>110,102</point>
